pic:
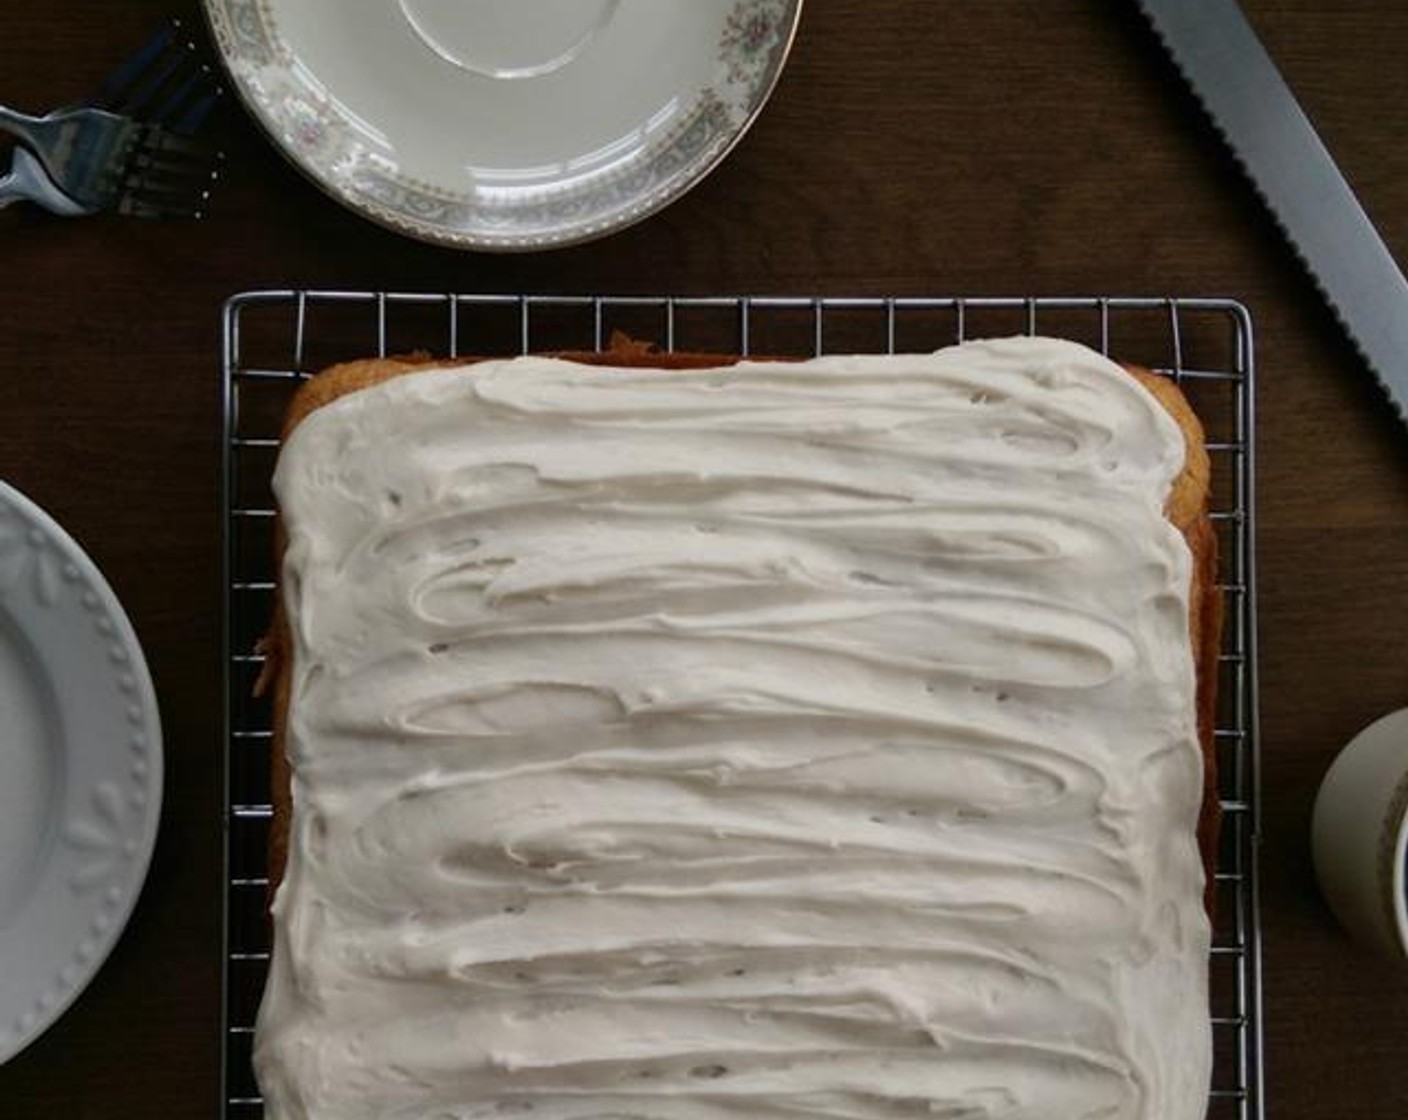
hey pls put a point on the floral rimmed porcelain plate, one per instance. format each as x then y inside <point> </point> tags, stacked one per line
<point>505,124</point>
<point>80,770</point>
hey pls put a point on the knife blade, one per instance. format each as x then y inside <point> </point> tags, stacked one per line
<point>1234,77</point>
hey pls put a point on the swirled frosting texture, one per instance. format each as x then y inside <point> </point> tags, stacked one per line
<point>791,740</point>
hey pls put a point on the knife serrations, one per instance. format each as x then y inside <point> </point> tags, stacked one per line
<point>1252,107</point>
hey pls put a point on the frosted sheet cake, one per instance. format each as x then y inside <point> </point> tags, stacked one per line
<point>814,739</point>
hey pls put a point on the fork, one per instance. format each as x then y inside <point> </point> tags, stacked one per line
<point>166,82</point>
<point>100,157</point>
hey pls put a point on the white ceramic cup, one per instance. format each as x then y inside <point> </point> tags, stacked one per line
<point>1359,836</point>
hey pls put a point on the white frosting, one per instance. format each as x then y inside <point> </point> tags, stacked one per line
<point>793,740</point>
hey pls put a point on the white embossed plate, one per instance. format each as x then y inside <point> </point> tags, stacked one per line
<point>80,770</point>
<point>505,124</point>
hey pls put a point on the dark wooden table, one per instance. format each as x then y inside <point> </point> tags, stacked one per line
<point>912,148</point>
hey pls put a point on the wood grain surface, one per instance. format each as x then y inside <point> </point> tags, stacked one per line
<point>1000,147</point>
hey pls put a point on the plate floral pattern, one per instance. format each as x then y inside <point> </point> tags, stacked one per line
<point>322,138</point>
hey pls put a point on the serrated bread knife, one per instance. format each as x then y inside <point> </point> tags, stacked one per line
<point>1223,60</point>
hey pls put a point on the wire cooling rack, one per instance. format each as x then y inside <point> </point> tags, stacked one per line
<point>273,340</point>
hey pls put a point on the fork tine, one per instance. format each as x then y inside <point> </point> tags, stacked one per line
<point>156,85</point>
<point>157,170</point>
<point>170,189</point>
<point>159,180</point>
<point>180,105</point>
<point>155,182</point>
<point>179,175</point>
<point>164,141</point>
<point>118,84</point>
<point>132,206</point>
<point>189,122</point>
<point>148,201</point>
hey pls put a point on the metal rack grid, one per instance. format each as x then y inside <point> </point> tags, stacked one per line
<point>273,340</point>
